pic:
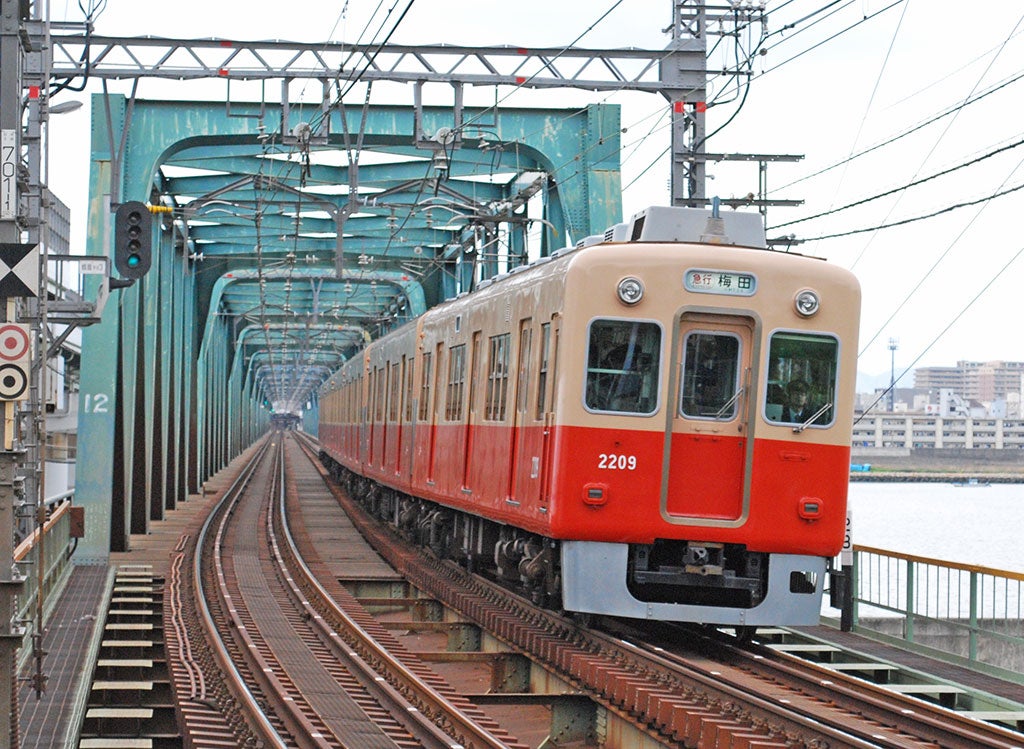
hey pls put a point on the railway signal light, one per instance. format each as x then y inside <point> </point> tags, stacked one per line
<point>133,239</point>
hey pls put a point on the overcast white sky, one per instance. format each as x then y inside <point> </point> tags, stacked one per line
<point>870,83</point>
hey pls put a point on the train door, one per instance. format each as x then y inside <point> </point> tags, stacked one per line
<point>407,434</point>
<point>474,375</point>
<point>707,444</point>
<point>552,334</point>
<point>399,391</point>
<point>390,374</point>
<point>434,405</point>
<point>519,415</point>
<point>373,420</point>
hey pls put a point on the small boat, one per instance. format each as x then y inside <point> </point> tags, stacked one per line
<point>971,482</point>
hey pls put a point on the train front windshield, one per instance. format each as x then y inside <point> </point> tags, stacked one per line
<point>623,360</point>
<point>711,369</point>
<point>802,379</point>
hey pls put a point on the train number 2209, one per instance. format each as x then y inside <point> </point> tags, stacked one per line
<point>614,462</point>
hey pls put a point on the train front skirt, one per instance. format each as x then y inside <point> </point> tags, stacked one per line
<point>594,581</point>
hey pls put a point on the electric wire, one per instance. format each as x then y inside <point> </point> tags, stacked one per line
<point>903,188</point>
<point>956,318</point>
<point>923,217</point>
<point>92,14</point>
<point>938,261</point>
<point>833,37</point>
<point>519,87</point>
<point>871,98</point>
<point>424,182</point>
<point>935,146</point>
<point>949,111</point>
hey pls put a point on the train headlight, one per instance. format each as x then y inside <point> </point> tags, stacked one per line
<point>807,302</point>
<point>630,290</point>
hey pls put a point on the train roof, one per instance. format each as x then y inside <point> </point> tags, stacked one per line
<point>678,224</point>
<point>655,224</point>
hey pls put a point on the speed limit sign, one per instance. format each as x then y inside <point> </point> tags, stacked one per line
<point>15,361</point>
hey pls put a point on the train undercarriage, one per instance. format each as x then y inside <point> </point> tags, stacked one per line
<point>522,561</point>
<point>670,579</point>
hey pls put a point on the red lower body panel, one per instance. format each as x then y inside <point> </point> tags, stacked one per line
<point>614,485</point>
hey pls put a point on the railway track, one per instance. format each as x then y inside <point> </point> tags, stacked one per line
<point>848,709</point>
<point>308,674</point>
<point>682,697</point>
<point>284,654</point>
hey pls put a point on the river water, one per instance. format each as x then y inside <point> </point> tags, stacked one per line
<point>982,525</point>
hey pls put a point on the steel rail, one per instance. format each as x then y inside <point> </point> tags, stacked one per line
<point>430,701</point>
<point>236,682</point>
<point>921,718</point>
<point>903,717</point>
<point>299,717</point>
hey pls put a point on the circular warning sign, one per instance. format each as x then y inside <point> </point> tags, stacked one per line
<point>14,342</point>
<point>13,382</point>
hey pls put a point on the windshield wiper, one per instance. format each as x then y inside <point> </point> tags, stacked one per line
<point>728,403</point>
<point>813,419</point>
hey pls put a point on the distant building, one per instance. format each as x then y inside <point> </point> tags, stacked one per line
<point>937,432</point>
<point>985,382</point>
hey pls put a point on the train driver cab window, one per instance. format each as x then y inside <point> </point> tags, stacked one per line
<point>802,371</point>
<point>623,360</point>
<point>711,371</point>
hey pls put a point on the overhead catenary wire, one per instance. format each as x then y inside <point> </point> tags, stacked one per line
<point>902,188</point>
<point>947,112</point>
<point>754,52</point>
<point>871,98</point>
<point>938,261</point>
<point>981,292</point>
<point>833,37</point>
<point>923,217</point>
<point>940,138</point>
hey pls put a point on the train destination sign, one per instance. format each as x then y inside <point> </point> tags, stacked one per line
<point>720,282</point>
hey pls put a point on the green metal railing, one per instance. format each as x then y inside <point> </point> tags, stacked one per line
<point>49,573</point>
<point>966,612</point>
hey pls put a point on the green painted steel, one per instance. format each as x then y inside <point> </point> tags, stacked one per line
<point>267,275</point>
<point>963,613</point>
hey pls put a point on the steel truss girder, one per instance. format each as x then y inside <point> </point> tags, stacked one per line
<point>628,69</point>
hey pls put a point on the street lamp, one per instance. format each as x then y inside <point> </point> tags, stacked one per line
<point>894,343</point>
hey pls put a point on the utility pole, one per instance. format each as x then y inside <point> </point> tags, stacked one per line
<point>684,73</point>
<point>11,579</point>
<point>894,343</point>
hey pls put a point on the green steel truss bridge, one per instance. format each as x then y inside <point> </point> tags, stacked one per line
<point>290,233</point>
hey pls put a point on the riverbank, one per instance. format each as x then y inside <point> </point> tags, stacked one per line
<point>930,465</point>
<point>969,479</point>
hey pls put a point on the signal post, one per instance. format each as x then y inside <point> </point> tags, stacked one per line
<point>11,580</point>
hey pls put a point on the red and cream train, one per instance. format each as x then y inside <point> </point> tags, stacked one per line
<point>654,424</point>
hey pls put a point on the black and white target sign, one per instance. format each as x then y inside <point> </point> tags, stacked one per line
<point>15,361</point>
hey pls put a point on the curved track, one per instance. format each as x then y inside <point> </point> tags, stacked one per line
<point>313,669</point>
<point>307,675</point>
<point>687,693</point>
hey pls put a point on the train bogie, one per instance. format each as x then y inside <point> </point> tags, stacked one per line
<point>655,428</point>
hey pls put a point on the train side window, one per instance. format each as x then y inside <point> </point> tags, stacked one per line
<point>379,391</point>
<point>456,382</point>
<point>711,368</point>
<point>802,368</point>
<point>424,413</point>
<point>542,374</point>
<point>395,391</point>
<point>623,360</point>
<point>523,369</point>
<point>408,370</point>
<point>497,378</point>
